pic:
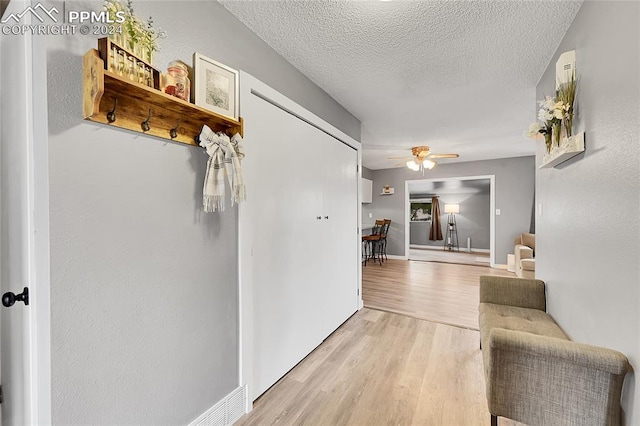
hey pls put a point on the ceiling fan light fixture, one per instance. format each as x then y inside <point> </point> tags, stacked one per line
<point>413,165</point>
<point>428,164</point>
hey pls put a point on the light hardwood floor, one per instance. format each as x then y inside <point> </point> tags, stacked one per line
<point>381,368</point>
<point>440,292</point>
<point>385,368</point>
<point>439,255</point>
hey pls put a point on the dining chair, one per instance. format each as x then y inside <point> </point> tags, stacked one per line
<point>385,231</point>
<point>372,243</point>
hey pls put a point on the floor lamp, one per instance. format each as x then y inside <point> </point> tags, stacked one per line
<point>452,230</point>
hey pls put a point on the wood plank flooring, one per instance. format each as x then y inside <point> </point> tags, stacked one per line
<point>440,255</point>
<point>440,292</point>
<point>388,366</point>
<point>381,368</point>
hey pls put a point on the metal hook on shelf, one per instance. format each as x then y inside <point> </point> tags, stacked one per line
<point>145,124</point>
<point>111,115</point>
<point>174,132</point>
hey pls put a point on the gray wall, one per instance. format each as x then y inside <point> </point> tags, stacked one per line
<point>514,196</point>
<point>472,221</point>
<point>208,28</point>
<point>143,283</point>
<point>588,237</point>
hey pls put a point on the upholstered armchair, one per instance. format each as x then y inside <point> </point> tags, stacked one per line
<point>525,255</point>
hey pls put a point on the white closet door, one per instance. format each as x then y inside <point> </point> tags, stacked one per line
<point>302,207</point>
<point>340,231</point>
<point>282,179</point>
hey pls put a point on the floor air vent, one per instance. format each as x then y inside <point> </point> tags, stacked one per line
<point>225,412</point>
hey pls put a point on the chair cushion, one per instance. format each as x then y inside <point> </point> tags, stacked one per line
<point>532,321</point>
<point>528,264</point>
<point>528,320</point>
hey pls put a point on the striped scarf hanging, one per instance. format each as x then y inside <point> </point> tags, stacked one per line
<point>225,155</point>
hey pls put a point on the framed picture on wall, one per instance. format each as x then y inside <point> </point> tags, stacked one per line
<point>420,210</point>
<point>216,86</point>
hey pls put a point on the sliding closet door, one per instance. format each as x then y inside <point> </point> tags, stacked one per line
<point>340,179</point>
<point>283,185</point>
<point>302,208</point>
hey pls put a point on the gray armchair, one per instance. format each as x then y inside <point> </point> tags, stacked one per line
<point>525,255</point>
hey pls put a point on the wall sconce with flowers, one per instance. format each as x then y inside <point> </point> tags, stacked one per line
<point>555,116</point>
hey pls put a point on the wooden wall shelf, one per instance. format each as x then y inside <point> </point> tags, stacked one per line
<point>136,101</point>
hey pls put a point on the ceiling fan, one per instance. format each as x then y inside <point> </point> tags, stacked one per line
<point>421,158</point>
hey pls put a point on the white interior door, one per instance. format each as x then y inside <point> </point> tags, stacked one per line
<point>14,215</point>
<point>24,228</point>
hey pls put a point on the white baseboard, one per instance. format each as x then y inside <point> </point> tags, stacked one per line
<point>499,266</point>
<point>396,257</point>
<point>477,250</point>
<point>226,412</point>
<point>462,249</point>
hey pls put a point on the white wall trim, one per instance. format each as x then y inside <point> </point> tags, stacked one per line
<point>360,299</point>
<point>492,207</point>
<point>250,86</point>
<point>226,411</point>
<point>31,63</point>
<point>396,257</point>
<point>440,248</point>
<point>40,339</point>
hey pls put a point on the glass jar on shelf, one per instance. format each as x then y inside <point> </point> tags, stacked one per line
<point>177,81</point>
<point>133,69</point>
<point>113,59</point>
<point>142,79</point>
<point>122,63</point>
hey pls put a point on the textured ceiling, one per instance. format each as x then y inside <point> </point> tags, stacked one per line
<point>458,76</point>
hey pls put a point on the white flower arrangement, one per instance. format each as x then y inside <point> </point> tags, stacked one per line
<point>554,113</point>
<point>550,115</point>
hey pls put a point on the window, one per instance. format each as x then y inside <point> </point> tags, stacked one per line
<point>420,210</point>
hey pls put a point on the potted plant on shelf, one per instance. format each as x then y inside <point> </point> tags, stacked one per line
<point>138,37</point>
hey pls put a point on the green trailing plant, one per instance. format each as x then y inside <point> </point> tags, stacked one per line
<point>150,39</point>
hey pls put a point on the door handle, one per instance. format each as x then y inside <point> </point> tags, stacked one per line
<point>9,299</point>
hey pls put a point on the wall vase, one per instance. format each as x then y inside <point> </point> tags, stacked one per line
<point>547,141</point>
<point>556,129</point>
<point>567,148</point>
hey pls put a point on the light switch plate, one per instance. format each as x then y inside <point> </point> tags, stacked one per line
<point>370,215</point>
<point>497,212</point>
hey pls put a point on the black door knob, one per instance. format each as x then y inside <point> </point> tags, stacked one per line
<point>9,299</point>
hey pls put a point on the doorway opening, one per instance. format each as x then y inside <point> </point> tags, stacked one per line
<point>469,202</point>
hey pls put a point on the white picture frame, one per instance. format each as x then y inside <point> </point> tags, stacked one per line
<point>216,86</point>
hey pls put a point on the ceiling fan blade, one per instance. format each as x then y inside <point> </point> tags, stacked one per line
<point>444,156</point>
<point>404,163</point>
<point>399,158</point>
